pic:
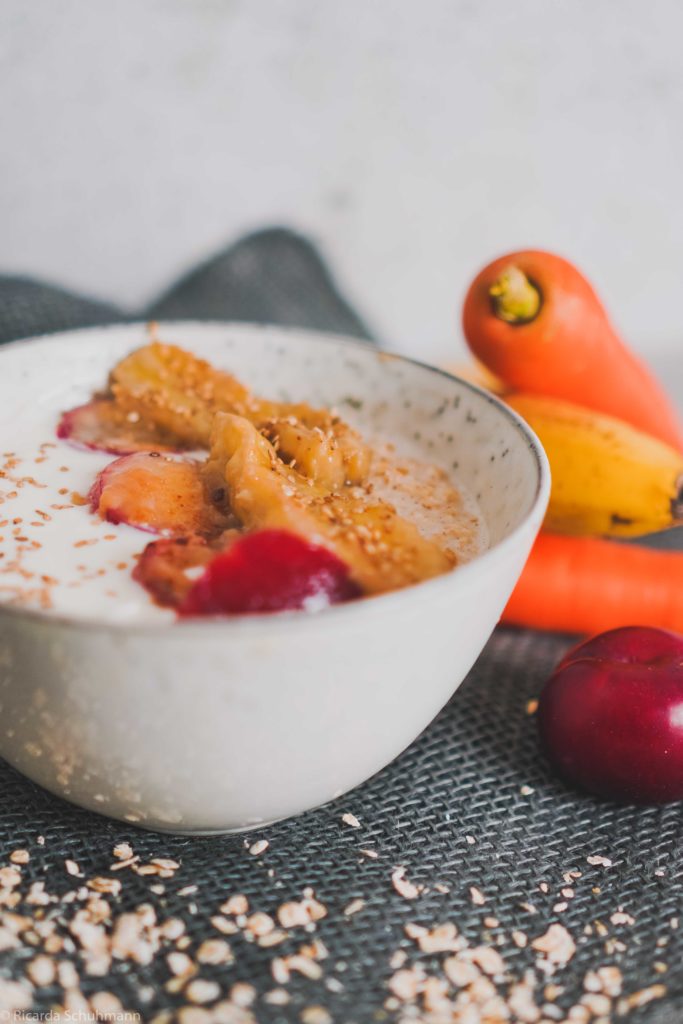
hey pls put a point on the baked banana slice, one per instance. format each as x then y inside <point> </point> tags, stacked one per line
<point>383,550</point>
<point>178,395</point>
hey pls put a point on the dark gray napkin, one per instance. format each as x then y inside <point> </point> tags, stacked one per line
<point>470,804</point>
<point>273,276</point>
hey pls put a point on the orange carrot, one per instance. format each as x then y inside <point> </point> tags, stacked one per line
<point>583,585</point>
<point>534,320</point>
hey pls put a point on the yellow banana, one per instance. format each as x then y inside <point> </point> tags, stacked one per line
<point>608,479</point>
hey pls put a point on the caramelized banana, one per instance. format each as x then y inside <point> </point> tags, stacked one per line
<point>383,550</point>
<point>179,395</point>
<point>314,453</point>
<point>177,392</point>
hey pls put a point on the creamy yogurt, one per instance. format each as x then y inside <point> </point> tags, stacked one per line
<point>57,556</point>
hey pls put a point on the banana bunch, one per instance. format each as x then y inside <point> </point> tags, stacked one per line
<point>608,479</point>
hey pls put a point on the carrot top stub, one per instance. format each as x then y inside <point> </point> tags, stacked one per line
<point>534,320</point>
<point>514,298</point>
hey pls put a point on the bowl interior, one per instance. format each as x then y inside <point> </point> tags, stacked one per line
<point>426,413</point>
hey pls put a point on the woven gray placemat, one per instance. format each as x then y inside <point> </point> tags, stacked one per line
<point>496,846</point>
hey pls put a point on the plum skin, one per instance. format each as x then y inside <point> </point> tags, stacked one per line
<point>610,717</point>
<point>268,571</point>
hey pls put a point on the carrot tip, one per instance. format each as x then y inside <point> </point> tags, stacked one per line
<point>515,299</point>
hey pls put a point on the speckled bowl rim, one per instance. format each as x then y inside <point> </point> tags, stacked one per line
<point>286,620</point>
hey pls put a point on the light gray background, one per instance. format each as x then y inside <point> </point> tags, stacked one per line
<point>414,139</point>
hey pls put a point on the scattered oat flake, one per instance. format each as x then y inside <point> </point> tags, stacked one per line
<point>111,886</point>
<point>488,960</point>
<point>556,945</point>
<point>164,863</point>
<point>295,914</point>
<point>406,983</point>
<point>604,862</point>
<point>353,907</point>
<point>188,890</point>
<point>277,997</point>
<point>279,970</point>
<point>20,856</point>
<point>315,1015</point>
<point>477,896</point>
<point>242,994</point>
<point>403,886</point>
<point>526,790</point>
<point>372,854</point>
<point>41,971</point>
<point>123,851</point>
<point>441,939</point>
<point>531,707</point>
<point>304,965</point>
<point>237,904</point>
<point>260,923</point>
<point>260,846</point>
<point>640,998</point>
<point>350,819</point>
<point>460,972</point>
<point>214,951</point>
<point>201,990</point>
<point>224,925</point>
<point>619,917</point>
<point>179,964</point>
<point>15,995</point>
<point>73,868</point>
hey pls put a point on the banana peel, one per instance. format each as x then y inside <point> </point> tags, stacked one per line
<point>608,479</point>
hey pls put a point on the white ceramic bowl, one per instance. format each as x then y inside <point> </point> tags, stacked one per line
<point>223,725</point>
